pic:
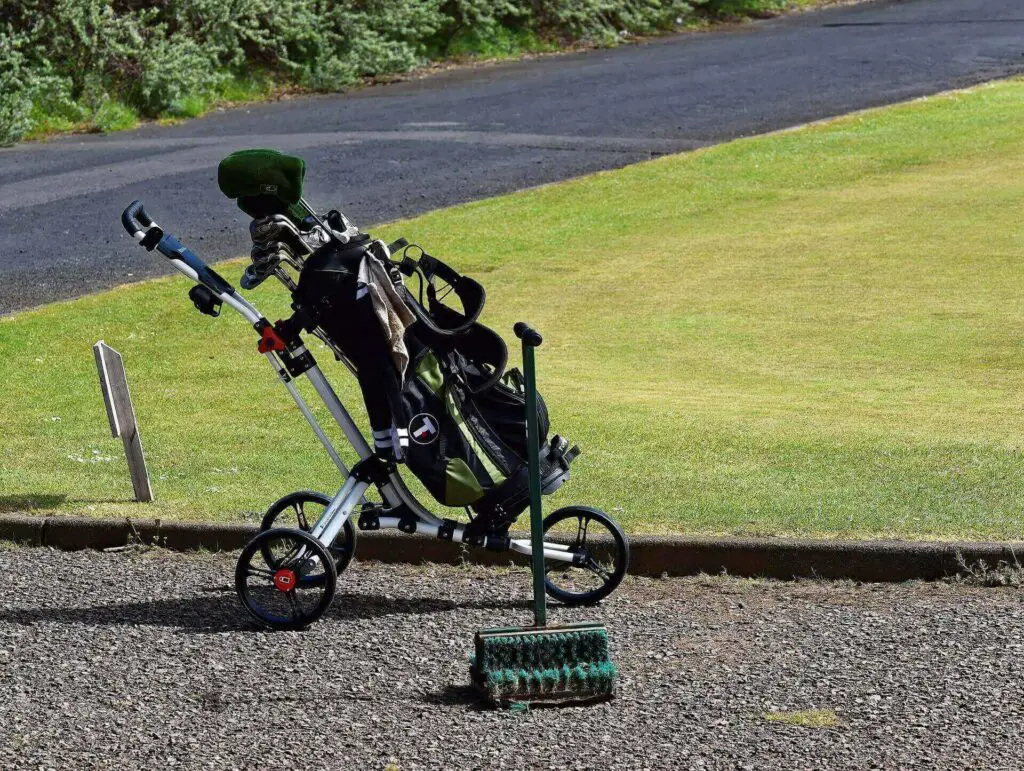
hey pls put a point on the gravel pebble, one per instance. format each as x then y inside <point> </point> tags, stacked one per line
<point>145,659</point>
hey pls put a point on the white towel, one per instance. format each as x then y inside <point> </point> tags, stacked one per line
<point>388,306</point>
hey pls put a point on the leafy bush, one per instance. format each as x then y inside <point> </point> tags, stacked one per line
<point>114,116</point>
<point>726,9</point>
<point>28,90</point>
<point>66,63</point>
<point>583,19</point>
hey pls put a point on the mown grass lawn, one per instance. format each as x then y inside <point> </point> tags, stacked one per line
<point>815,332</point>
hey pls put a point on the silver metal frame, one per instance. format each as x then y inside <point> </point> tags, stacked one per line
<point>351,495</point>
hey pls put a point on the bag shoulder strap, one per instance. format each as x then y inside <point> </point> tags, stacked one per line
<point>470,293</point>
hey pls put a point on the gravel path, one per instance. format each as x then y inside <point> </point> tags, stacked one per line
<point>145,660</point>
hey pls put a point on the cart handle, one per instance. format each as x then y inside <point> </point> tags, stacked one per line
<point>527,334</point>
<point>139,225</point>
<point>143,229</point>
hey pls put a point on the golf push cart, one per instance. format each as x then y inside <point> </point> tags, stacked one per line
<point>439,396</point>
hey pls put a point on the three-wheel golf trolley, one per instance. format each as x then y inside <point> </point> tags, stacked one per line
<point>286,576</point>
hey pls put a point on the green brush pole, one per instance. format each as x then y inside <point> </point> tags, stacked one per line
<point>531,339</point>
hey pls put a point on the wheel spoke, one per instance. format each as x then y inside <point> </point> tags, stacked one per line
<point>262,572</point>
<point>294,602</point>
<point>596,567</point>
<point>300,515</point>
<point>291,555</point>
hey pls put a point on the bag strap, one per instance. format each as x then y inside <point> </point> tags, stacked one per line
<point>470,293</point>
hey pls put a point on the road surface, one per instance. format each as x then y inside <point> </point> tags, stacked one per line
<point>396,150</point>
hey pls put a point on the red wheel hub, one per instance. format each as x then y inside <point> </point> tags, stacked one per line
<point>284,580</point>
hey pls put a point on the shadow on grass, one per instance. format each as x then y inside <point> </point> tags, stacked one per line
<point>30,503</point>
<point>221,611</point>
<point>22,504</point>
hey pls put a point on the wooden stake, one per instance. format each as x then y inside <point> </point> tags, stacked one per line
<point>121,414</point>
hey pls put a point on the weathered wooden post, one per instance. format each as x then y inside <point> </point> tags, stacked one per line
<point>121,414</point>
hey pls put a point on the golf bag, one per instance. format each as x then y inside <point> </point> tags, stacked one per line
<point>434,380</point>
<point>461,409</point>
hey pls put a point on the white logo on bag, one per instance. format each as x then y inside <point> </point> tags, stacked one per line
<point>423,428</point>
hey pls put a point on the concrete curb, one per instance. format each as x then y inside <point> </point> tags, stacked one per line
<point>650,555</point>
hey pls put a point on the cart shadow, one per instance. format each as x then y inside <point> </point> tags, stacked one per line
<point>220,611</point>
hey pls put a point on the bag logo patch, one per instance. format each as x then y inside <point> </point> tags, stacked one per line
<point>268,188</point>
<point>423,428</point>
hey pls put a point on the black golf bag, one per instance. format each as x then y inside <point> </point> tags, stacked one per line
<point>461,408</point>
<point>450,409</point>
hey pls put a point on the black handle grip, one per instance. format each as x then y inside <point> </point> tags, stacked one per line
<point>134,218</point>
<point>527,334</point>
<point>136,222</point>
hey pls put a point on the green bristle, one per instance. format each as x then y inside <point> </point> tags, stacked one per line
<point>550,680</point>
<point>544,651</point>
<point>561,666</point>
<point>585,679</point>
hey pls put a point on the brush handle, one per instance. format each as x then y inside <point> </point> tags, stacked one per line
<point>531,339</point>
<point>527,334</point>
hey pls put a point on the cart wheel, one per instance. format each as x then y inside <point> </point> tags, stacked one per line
<point>301,510</point>
<point>285,578</point>
<point>592,533</point>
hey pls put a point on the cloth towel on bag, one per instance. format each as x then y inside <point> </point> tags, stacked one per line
<point>335,291</point>
<point>389,308</point>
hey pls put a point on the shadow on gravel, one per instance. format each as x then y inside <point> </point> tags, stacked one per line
<point>457,695</point>
<point>215,613</point>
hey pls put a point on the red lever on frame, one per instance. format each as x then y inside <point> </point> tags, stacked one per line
<point>270,340</point>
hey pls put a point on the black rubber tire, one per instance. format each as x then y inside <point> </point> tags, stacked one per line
<point>320,588</point>
<point>343,548</point>
<point>619,549</point>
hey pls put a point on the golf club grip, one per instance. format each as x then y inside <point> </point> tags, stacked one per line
<point>134,218</point>
<point>527,334</point>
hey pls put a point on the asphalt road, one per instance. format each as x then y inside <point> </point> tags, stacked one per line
<point>392,151</point>
<point>146,660</point>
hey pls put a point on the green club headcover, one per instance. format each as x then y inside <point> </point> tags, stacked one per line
<point>251,176</point>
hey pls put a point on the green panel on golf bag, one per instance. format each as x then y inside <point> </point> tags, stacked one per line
<point>463,446</point>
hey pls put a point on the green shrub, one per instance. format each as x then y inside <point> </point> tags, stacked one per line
<point>15,93</point>
<point>191,106</point>
<point>114,116</point>
<point>738,8</point>
<point>28,90</point>
<point>244,88</point>
<point>599,19</point>
<point>495,42</point>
